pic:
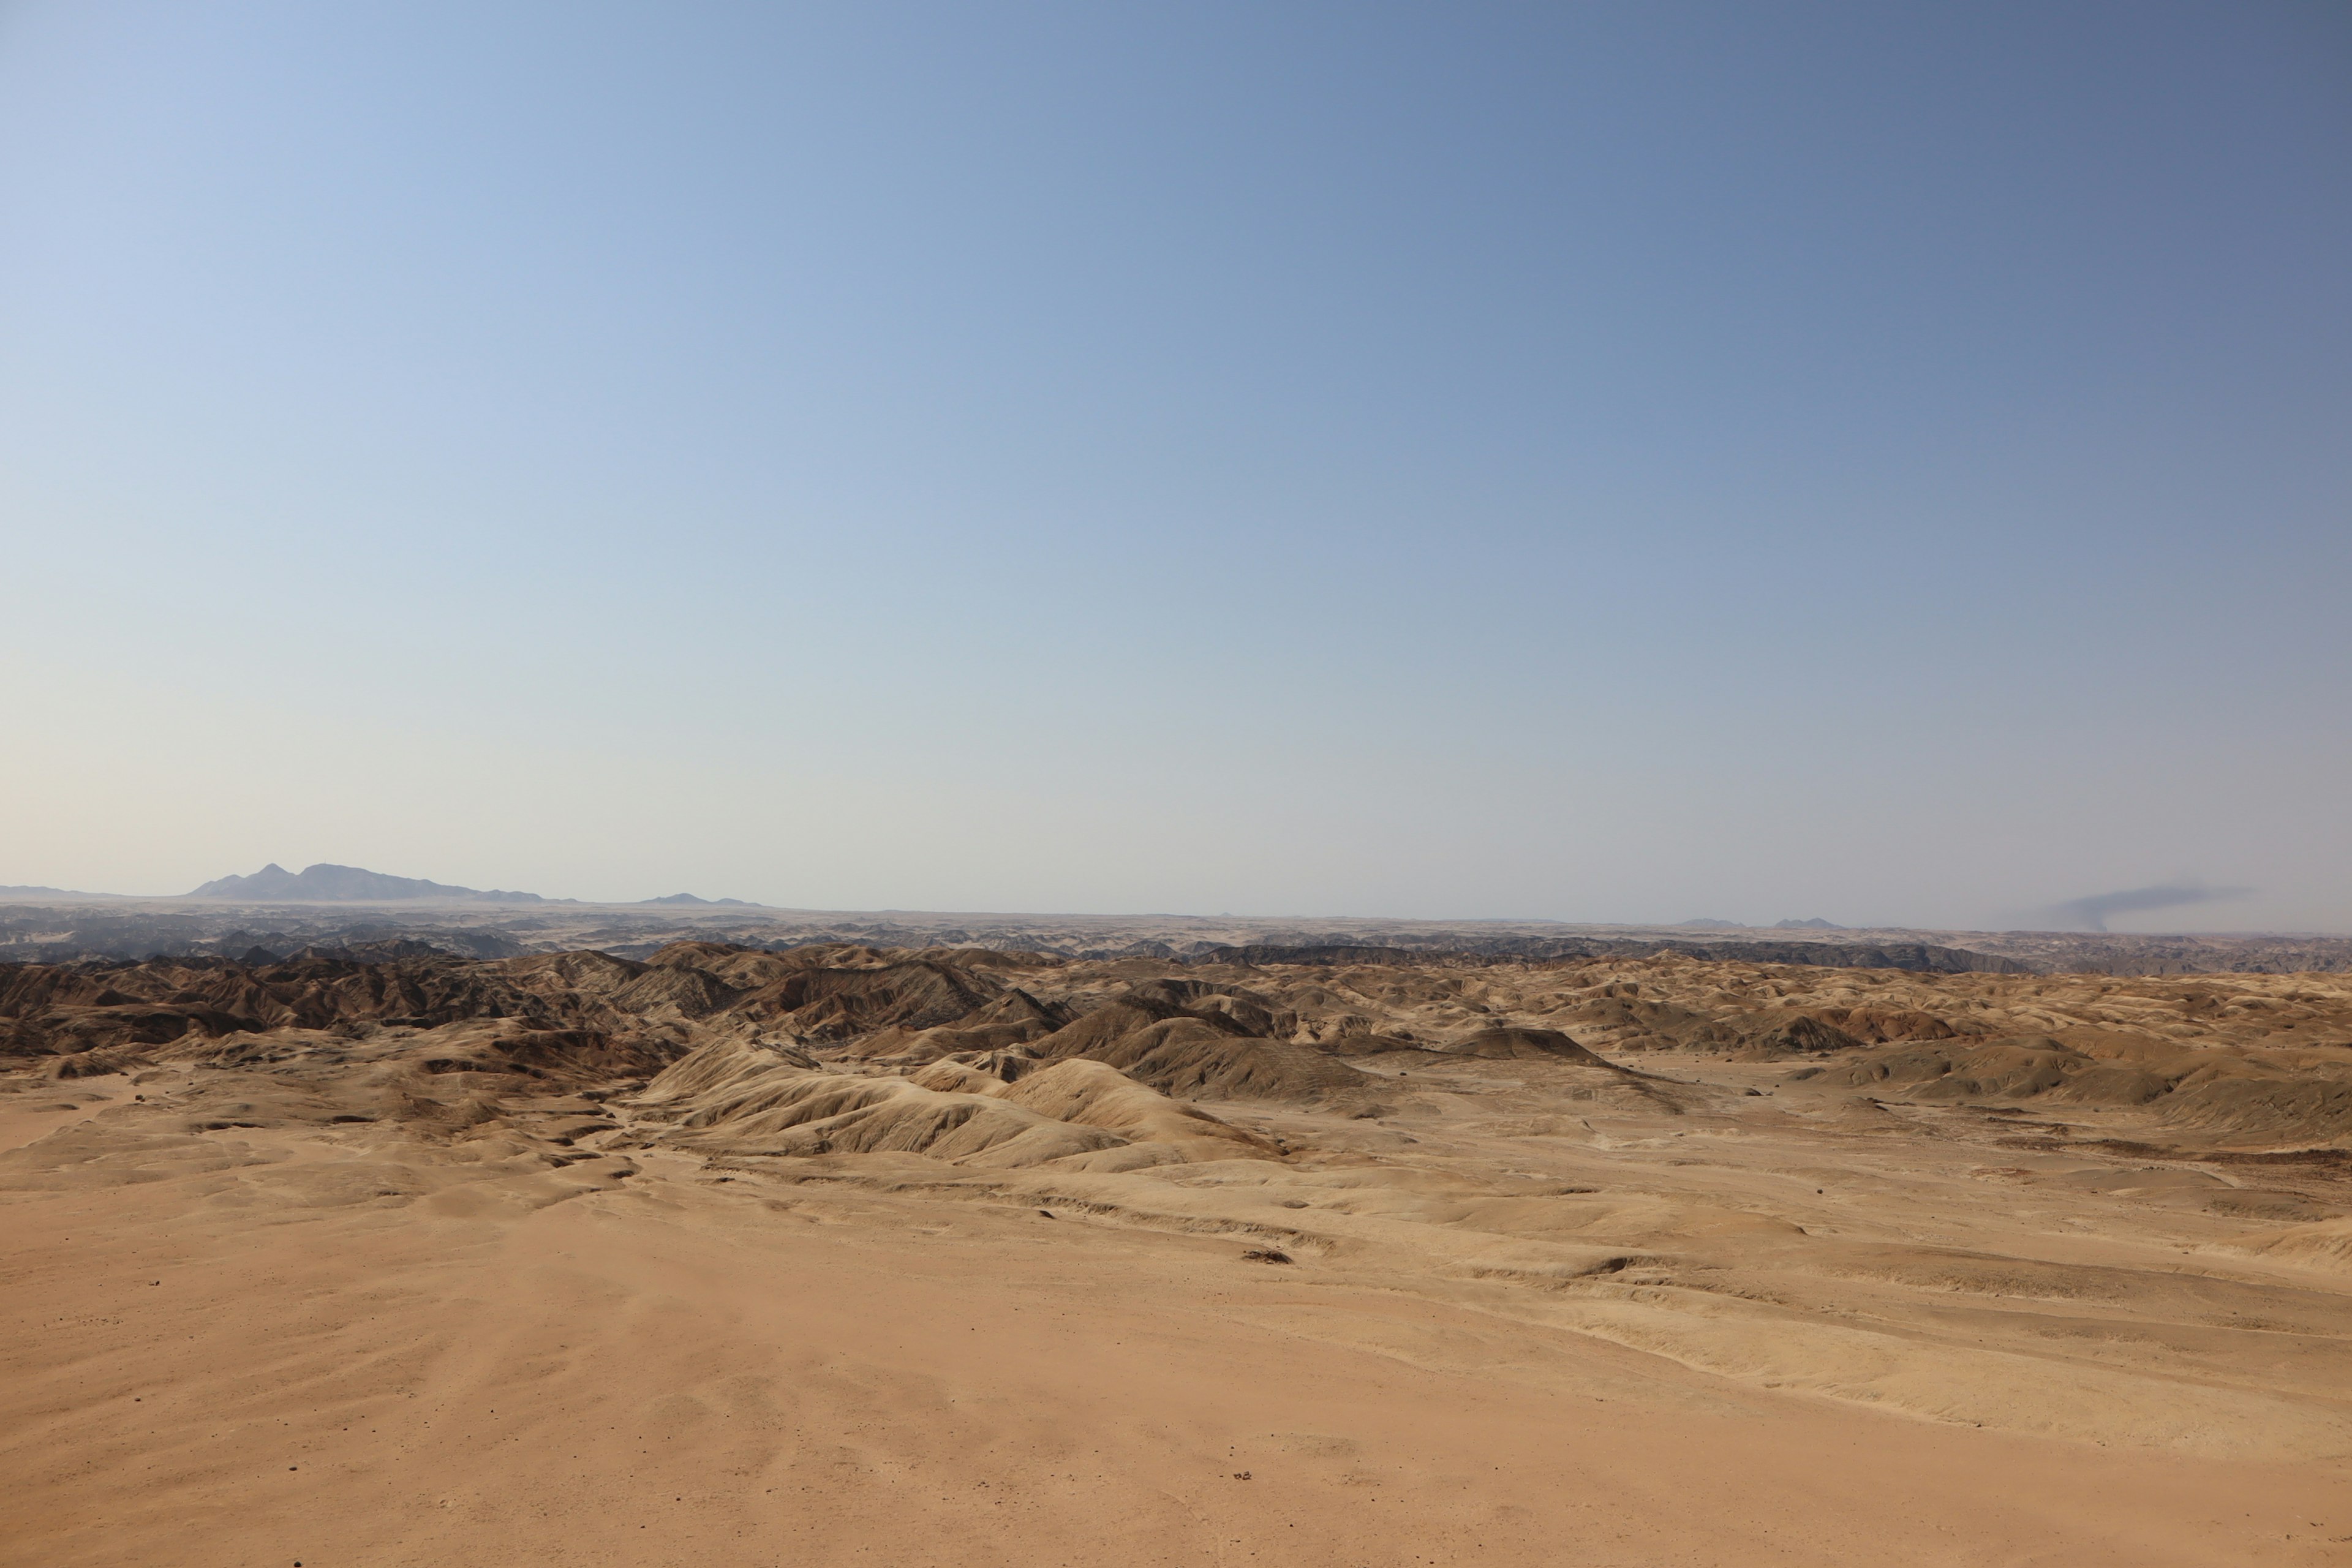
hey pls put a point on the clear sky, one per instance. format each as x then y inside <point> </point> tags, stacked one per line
<point>1886,462</point>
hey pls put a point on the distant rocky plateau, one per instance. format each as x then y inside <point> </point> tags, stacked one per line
<point>327,884</point>
<point>345,912</point>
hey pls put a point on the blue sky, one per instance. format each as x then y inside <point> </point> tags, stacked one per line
<point>1610,462</point>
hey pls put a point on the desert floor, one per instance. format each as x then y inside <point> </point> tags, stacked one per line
<point>1520,1322</point>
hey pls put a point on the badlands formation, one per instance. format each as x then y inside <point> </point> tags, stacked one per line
<point>958,1255</point>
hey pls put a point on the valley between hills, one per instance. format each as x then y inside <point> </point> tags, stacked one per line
<point>1344,1253</point>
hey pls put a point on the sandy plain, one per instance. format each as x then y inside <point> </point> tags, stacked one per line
<point>742,1258</point>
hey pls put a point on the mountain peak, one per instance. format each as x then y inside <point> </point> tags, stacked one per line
<point>325,883</point>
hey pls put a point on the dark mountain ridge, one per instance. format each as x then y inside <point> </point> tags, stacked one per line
<point>326,883</point>
<point>329,884</point>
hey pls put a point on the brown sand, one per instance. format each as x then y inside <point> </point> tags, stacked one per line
<point>1536,1311</point>
<point>677,1374</point>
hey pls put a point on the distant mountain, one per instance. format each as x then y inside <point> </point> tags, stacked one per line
<point>1710,925</point>
<point>690,899</point>
<point>1816,923</point>
<point>51,893</point>
<point>324,884</point>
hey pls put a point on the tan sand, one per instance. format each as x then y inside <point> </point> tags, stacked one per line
<point>358,1299</point>
<point>682,1372</point>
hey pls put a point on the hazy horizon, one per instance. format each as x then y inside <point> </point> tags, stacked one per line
<point>1610,466</point>
<point>2072,916</point>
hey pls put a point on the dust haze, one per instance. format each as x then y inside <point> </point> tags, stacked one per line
<point>2093,913</point>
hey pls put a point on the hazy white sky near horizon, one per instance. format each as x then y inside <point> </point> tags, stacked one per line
<point>1602,462</point>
